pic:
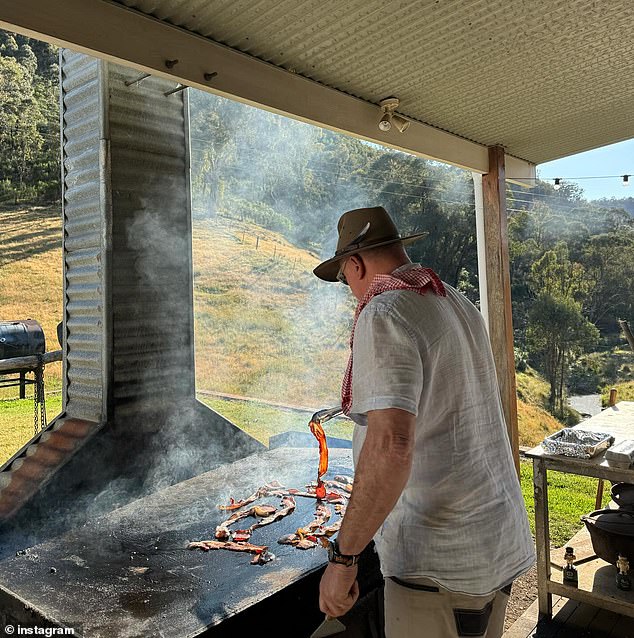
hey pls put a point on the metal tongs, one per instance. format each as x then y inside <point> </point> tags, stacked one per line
<point>330,626</point>
<point>325,415</point>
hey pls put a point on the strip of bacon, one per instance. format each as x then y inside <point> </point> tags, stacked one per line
<point>224,533</point>
<point>297,541</point>
<point>229,545</point>
<point>288,507</point>
<point>339,485</point>
<point>266,490</point>
<point>318,432</point>
<point>306,537</point>
<point>263,558</point>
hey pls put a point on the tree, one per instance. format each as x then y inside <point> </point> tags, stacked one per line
<point>20,140</point>
<point>29,129</point>
<point>557,330</point>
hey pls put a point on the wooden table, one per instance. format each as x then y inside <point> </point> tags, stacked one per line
<point>594,578</point>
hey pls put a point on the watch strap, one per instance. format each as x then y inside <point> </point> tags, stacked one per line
<point>335,556</point>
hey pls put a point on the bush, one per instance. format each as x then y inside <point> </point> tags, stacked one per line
<point>521,359</point>
<point>258,213</point>
<point>584,376</point>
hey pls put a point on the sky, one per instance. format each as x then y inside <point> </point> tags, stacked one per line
<point>616,159</point>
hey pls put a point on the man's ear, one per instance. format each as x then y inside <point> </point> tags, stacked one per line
<point>359,266</point>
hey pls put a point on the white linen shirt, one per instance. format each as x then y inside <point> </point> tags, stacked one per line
<point>461,519</point>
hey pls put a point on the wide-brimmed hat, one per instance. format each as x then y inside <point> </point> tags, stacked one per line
<point>362,229</point>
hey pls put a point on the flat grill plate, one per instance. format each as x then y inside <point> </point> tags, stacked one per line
<point>93,587</point>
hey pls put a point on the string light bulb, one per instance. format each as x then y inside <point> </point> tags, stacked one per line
<point>626,180</point>
<point>557,183</point>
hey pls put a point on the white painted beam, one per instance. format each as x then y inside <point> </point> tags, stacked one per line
<point>481,246</point>
<point>128,37</point>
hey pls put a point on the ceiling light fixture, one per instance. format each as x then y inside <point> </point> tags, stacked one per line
<point>626,180</point>
<point>388,117</point>
<point>557,183</point>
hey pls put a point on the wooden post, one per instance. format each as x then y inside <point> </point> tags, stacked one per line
<point>542,537</point>
<point>22,385</point>
<point>257,242</point>
<point>612,401</point>
<point>598,501</point>
<point>498,289</point>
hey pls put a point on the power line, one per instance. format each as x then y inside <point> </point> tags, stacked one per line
<point>550,179</point>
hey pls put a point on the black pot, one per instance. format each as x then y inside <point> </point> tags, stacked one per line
<point>623,495</point>
<point>612,533</point>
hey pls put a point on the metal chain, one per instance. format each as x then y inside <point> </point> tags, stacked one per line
<point>39,398</point>
<point>35,404</point>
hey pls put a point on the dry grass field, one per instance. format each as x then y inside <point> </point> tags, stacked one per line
<point>265,326</point>
<point>31,275</point>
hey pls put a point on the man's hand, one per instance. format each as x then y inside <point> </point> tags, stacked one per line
<point>338,590</point>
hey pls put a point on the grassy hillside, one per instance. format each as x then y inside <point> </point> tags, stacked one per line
<point>265,326</point>
<point>31,275</point>
<point>534,421</point>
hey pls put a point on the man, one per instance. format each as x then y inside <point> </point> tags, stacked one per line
<point>435,483</point>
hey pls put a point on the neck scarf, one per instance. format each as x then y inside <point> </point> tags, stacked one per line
<point>417,279</point>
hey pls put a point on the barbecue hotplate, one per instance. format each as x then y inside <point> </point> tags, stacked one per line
<point>129,573</point>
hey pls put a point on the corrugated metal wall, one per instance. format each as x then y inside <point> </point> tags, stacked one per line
<point>153,349</point>
<point>86,235</point>
<point>127,241</point>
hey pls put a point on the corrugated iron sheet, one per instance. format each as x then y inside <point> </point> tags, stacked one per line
<point>127,241</point>
<point>543,78</point>
<point>85,235</point>
<point>153,359</point>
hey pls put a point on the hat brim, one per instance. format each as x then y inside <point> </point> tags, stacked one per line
<point>328,269</point>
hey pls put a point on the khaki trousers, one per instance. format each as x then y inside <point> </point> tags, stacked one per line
<point>423,609</point>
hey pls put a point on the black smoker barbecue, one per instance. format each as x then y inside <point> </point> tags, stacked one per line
<point>96,511</point>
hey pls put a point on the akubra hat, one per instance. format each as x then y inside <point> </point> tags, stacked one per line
<point>359,230</point>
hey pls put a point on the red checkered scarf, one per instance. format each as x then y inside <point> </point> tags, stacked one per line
<point>418,279</point>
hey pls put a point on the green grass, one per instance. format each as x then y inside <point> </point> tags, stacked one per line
<point>16,422</point>
<point>624,392</point>
<point>569,497</point>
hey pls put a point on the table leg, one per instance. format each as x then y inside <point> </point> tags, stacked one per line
<point>22,385</point>
<point>542,537</point>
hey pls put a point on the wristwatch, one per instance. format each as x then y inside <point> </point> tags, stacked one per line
<point>335,556</point>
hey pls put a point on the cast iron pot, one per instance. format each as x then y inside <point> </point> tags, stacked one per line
<point>623,495</point>
<point>612,533</point>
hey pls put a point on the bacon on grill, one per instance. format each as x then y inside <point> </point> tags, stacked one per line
<point>269,489</point>
<point>340,483</point>
<point>306,537</point>
<point>231,546</point>
<point>288,507</point>
<point>257,511</point>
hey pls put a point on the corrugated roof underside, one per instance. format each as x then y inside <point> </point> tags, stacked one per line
<point>545,78</point>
